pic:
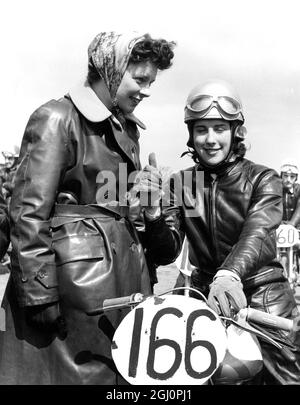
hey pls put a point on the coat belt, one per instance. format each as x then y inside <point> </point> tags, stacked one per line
<point>91,210</point>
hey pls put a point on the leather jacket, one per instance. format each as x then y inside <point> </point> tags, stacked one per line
<point>235,228</point>
<point>291,205</point>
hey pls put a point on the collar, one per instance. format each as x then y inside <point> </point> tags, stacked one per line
<point>289,190</point>
<point>87,102</point>
<point>220,169</point>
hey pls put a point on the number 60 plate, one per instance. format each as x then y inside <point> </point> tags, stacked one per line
<point>172,339</point>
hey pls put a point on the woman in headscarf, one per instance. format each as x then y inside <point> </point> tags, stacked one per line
<point>73,245</point>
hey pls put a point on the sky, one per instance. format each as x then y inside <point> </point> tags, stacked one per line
<point>254,44</point>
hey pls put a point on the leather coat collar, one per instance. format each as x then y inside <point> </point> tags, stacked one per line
<point>87,102</point>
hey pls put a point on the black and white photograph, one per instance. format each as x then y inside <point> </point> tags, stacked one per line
<point>150,195</point>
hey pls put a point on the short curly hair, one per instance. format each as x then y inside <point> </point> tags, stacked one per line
<point>158,51</point>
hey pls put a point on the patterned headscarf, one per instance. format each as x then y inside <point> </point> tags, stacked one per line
<point>110,53</point>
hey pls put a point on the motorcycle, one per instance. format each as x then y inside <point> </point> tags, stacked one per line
<point>178,340</point>
<point>287,242</point>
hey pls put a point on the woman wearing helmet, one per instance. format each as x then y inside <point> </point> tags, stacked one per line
<point>232,242</point>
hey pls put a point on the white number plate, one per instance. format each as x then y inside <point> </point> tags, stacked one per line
<point>172,339</point>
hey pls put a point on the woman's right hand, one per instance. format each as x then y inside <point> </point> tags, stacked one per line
<point>47,318</point>
<point>149,188</point>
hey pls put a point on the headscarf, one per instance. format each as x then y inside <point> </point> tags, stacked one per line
<point>110,52</point>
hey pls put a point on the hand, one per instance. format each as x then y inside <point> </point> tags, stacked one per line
<point>226,292</point>
<point>149,188</point>
<point>9,186</point>
<point>46,317</point>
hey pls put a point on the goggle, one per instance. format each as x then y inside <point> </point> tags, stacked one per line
<point>227,106</point>
<point>289,169</point>
<point>292,175</point>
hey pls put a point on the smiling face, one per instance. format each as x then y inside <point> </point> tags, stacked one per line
<point>212,140</point>
<point>135,85</point>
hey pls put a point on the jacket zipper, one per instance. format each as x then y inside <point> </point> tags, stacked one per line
<point>259,274</point>
<point>134,156</point>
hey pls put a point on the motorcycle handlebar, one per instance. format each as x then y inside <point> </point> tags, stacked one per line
<point>272,321</point>
<point>249,314</point>
<point>110,304</point>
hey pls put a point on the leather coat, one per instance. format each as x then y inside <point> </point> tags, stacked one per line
<point>68,247</point>
<point>61,157</point>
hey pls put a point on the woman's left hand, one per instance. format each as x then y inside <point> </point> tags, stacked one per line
<point>226,292</point>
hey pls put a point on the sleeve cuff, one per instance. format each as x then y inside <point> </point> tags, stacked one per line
<point>227,273</point>
<point>153,216</point>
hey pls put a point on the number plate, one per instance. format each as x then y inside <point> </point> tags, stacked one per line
<point>287,235</point>
<point>172,339</point>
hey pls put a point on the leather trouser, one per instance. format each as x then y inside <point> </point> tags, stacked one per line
<point>278,299</point>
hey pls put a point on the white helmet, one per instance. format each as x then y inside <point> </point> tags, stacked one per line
<point>213,99</point>
<point>289,166</point>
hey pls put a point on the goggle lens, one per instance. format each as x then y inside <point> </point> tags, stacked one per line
<point>200,104</point>
<point>227,105</point>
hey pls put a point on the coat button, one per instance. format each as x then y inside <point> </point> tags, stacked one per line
<point>24,279</point>
<point>133,247</point>
<point>41,274</point>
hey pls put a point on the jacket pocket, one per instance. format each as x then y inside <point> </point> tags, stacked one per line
<point>83,261</point>
<point>78,247</point>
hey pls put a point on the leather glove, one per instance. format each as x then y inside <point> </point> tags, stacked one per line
<point>226,292</point>
<point>46,317</point>
<point>149,188</point>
